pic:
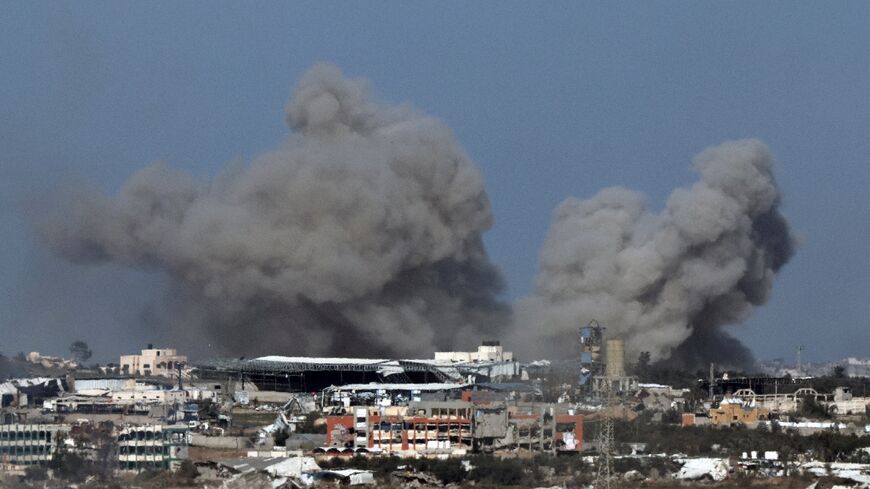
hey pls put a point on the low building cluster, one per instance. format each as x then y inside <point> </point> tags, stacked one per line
<point>289,414</point>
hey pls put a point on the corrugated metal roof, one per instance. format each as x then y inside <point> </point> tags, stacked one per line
<point>429,387</point>
<point>323,360</point>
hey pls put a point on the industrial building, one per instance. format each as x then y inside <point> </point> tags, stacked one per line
<point>313,374</point>
<point>21,393</point>
<point>387,394</point>
<point>488,351</point>
<point>840,402</point>
<point>106,399</point>
<point>609,374</point>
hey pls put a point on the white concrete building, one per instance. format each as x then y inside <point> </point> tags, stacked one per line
<point>153,361</point>
<point>154,447</point>
<point>489,351</point>
<point>28,444</point>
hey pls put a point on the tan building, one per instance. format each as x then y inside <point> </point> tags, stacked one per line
<point>734,413</point>
<point>153,361</point>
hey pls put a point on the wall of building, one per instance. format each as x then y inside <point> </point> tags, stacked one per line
<point>485,353</point>
<point>152,447</point>
<point>730,414</point>
<point>220,442</point>
<point>153,361</point>
<point>455,427</point>
<point>29,444</point>
<point>841,402</point>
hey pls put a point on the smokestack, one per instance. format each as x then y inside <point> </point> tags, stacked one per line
<point>615,358</point>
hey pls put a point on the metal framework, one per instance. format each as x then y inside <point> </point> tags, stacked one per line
<point>297,374</point>
<point>606,441</point>
<point>257,366</point>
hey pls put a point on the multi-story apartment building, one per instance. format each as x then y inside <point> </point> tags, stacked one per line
<point>29,444</point>
<point>454,427</point>
<point>152,447</point>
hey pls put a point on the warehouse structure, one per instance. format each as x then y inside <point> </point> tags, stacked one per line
<point>312,374</point>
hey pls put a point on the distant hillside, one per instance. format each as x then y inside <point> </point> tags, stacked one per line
<point>11,367</point>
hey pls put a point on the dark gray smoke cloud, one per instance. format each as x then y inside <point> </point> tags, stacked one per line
<point>667,283</point>
<point>360,234</point>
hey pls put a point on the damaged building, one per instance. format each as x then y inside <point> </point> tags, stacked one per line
<point>152,447</point>
<point>310,374</point>
<point>29,444</point>
<point>841,402</point>
<point>454,428</point>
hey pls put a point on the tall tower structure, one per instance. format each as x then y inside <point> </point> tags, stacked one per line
<point>615,359</point>
<point>591,338</point>
<point>606,440</point>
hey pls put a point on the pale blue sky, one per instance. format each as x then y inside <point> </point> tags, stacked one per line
<point>550,99</point>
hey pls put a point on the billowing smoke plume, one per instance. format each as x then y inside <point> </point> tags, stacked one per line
<point>360,235</point>
<point>667,283</point>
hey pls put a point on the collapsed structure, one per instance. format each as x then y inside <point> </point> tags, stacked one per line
<point>840,402</point>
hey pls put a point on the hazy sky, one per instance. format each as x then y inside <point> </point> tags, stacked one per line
<point>551,100</point>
